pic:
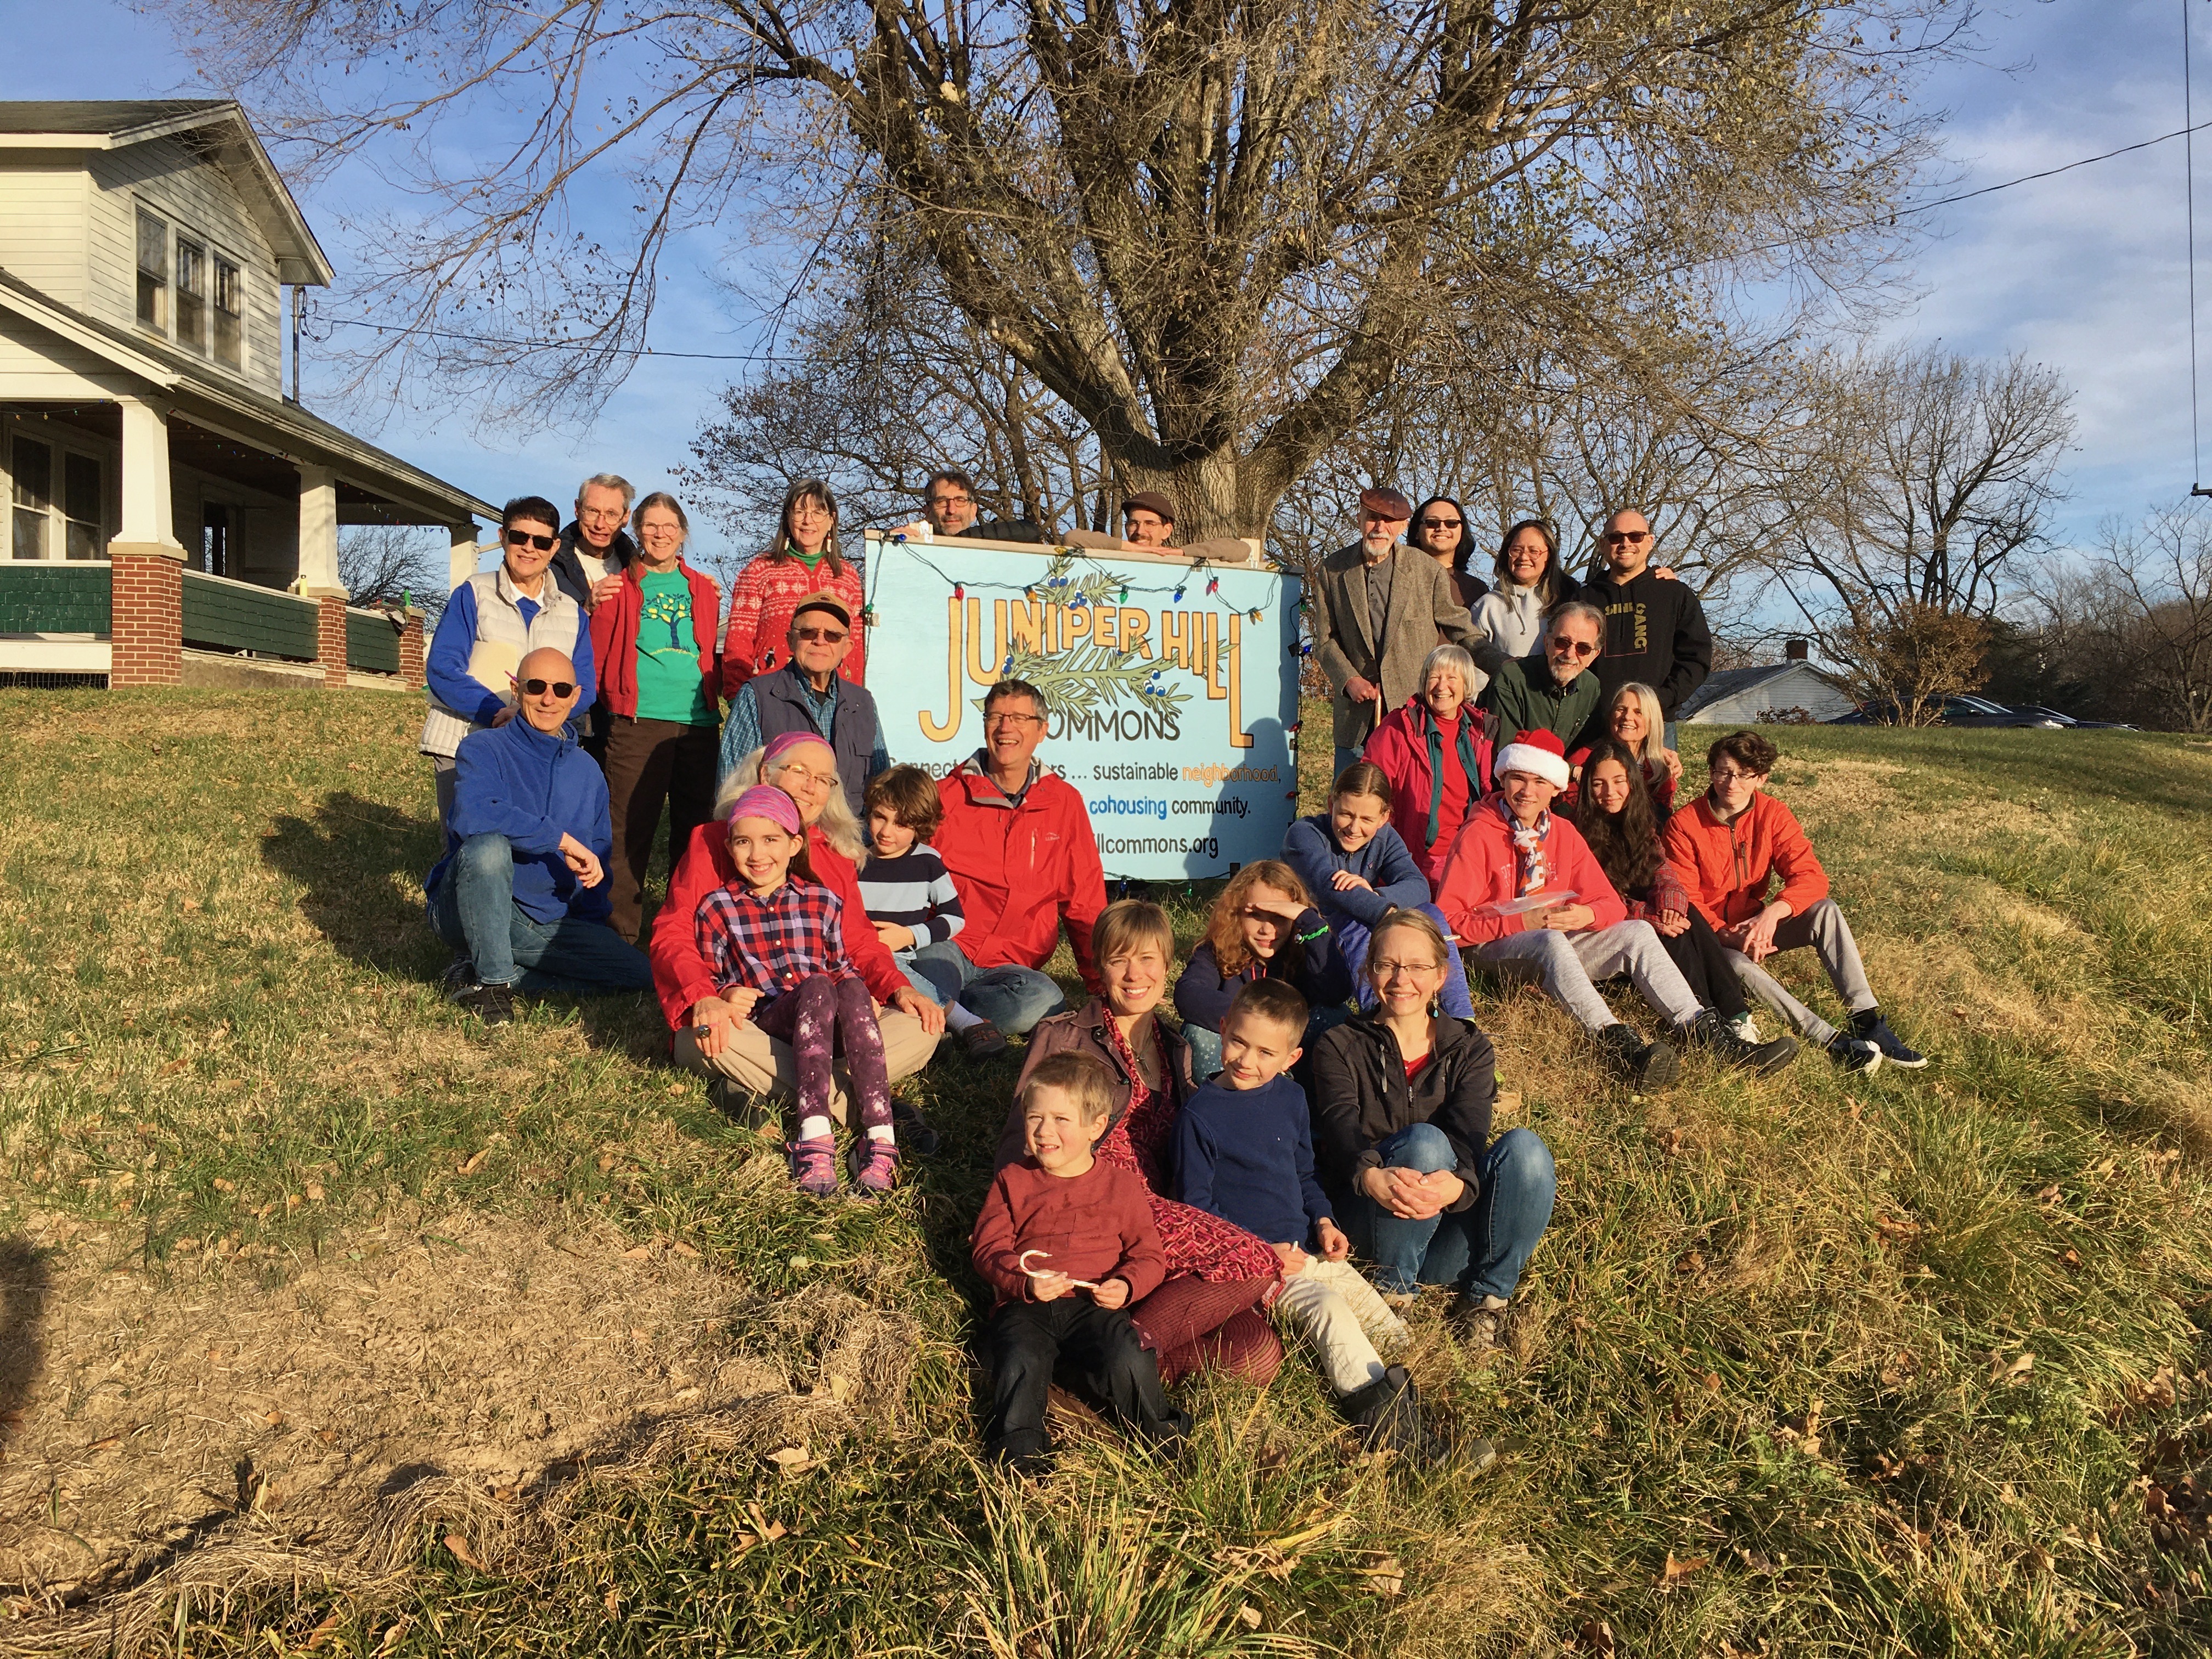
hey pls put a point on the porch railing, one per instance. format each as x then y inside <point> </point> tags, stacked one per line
<point>372,641</point>
<point>38,598</point>
<point>235,615</point>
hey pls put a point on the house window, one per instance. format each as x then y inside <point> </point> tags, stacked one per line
<point>80,499</point>
<point>214,539</point>
<point>229,313</point>
<point>191,297</point>
<point>34,465</point>
<point>153,273</point>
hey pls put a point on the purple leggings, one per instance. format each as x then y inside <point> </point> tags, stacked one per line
<point>811,1019</point>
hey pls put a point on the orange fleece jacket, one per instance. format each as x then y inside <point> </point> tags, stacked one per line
<point>1728,867</point>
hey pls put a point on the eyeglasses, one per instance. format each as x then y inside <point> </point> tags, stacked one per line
<point>1392,970</point>
<point>1727,777</point>
<point>1632,537</point>
<point>1573,648</point>
<point>789,769</point>
<point>524,538</point>
<point>990,720</point>
<point>539,688</point>
<point>951,501</point>
<point>829,637</point>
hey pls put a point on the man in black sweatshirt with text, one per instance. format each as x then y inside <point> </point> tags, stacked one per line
<point>1655,629</point>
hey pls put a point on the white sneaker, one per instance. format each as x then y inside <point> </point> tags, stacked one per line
<point>1746,1027</point>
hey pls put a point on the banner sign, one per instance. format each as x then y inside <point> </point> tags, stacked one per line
<point>1172,685</point>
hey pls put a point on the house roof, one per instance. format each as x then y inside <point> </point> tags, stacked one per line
<point>218,127</point>
<point>1727,682</point>
<point>202,394</point>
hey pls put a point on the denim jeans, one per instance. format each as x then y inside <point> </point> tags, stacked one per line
<point>475,912</point>
<point>1013,999</point>
<point>1482,1249</point>
<point>1205,1046</point>
<point>1351,938</point>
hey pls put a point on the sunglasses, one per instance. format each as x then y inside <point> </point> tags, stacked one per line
<point>1632,537</point>
<point>827,635</point>
<point>539,688</point>
<point>524,538</point>
<point>1573,648</point>
<point>1442,524</point>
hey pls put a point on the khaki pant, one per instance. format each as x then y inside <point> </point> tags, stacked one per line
<point>1334,1308</point>
<point>759,1065</point>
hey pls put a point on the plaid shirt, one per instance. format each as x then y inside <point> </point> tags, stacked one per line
<point>770,944</point>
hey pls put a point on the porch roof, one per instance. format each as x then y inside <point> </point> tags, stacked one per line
<point>211,400</point>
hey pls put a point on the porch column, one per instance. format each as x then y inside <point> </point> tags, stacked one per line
<point>146,634</point>
<point>318,534</point>
<point>461,559</point>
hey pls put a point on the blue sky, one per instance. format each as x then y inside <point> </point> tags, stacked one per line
<point>2085,271</point>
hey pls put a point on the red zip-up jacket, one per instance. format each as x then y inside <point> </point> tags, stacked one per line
<point>682,974</point>
<point>1728,867</point>
<point>1483,870</point>
<point>1022,871</point>
<point>614,638</point>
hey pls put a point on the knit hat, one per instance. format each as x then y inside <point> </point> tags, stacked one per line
<point>778,747</point>
<point>1386,501</point>
<point>823,600</point>
<point>1149,500</point>
<point>762,801</point>
<point>1539,753</point>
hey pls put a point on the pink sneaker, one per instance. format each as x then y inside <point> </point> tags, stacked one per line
<point>878,1168</point>
<point>814,1166</point>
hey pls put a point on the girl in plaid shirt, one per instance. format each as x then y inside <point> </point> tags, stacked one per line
<point>776,940</point>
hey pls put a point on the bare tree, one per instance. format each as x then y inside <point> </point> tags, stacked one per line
<point>389,564</point>
<point>1214,233</point>
<point>2154,629</point>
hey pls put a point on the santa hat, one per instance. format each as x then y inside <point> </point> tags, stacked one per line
<point>1540,754</point>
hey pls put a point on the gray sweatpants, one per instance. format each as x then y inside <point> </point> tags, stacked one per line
<point>1567,965</point>
<point>1334,1308</point>
<point>1821,927</point>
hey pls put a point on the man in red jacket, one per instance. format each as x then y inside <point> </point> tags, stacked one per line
<point>1018,842</point>
<point>1730,846</point>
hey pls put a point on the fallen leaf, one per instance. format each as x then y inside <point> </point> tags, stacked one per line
<point>1249,1616</point>
<point>273,1419</point>
<point>1713,1382</point>
<point>475,1161</point>
<point>1893,1228</point>
<point>103,1445</point>
<point>1675,1571</point>
<point>638,1254</point>
<point>1694,1262</point>
<point>684,1250</point>
<point>328,1437</point>
<point>1596,1637</point>
<point>2157,1394</point>
<point>1386,1576</point>
<point>2049,1194</point>
<point>2070,1258</point>
<point>462,1553</point>
<point>768,1532</point>
<point>314,1192</point>
<point>321,1633</point>
<point>221,1185</point>
<point>392,1635</point>
<point>2001,1371</point>
<point>791,1460</point>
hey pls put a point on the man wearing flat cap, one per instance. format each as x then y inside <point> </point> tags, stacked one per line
<point>808,695</point>
<point>1378,611</point>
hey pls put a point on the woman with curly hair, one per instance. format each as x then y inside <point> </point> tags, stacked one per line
<point>1264,925</point>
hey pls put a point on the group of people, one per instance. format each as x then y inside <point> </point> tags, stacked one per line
<point>1163,1187</point>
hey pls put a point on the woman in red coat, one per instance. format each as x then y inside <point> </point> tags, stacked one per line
<point>802,559</point>
<point>1436,757</point>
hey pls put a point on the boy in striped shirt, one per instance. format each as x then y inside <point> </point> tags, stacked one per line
<point>907,892</point>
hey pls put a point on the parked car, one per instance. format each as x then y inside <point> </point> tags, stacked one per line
<point>1960,711</point>
<point>2069,719</point>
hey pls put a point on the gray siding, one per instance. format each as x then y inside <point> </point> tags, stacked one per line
<point>44,200</point>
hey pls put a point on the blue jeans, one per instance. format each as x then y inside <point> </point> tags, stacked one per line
<point>475,912</point>
<point>1351,939</point>
<point>1482,1249</point>
<point>1013,999</point>
<point>1205,1046</point>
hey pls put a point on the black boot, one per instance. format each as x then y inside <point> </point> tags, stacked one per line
<point>1646,1065</point>
<point>1388,1414</point>
<point>1711,1033</point>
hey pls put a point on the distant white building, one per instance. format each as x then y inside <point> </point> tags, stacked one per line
<point>166,504</point>
<point>1739,697</point>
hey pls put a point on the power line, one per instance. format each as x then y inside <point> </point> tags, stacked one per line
<point>2189,186</point>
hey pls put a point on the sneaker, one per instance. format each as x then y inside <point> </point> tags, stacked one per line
<point>1718,1040</point>
<point>983,1040</point>
<point>1479,1321</point>
<point>875,1166</point>
<point>1876,1031</point>
<point>1854,1053</point>
<point>492,1004</point>
<point>460,978</point>
<point>814,1166</point>
<point>1646,1065</point>
<point>1744,1027</point>
<point>914,1133</point>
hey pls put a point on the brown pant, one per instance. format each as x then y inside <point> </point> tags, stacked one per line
<point>650,762</point>
<point>761,1065</point>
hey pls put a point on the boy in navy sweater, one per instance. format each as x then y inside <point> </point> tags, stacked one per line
<point>1244,1152</point>
<point>906,890</point>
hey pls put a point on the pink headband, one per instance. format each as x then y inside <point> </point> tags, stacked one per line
<point>764,801</point>
<point>778,747</point>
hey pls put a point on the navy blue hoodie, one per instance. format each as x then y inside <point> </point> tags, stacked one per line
<point>514,780</point>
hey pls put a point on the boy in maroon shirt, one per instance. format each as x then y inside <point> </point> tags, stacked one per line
<point>1091,1223</point>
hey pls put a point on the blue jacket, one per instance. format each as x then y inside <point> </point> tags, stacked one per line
<point>1311,850</point>
<point>445,664</point>
<point>1247,1156</point>
<point>1203,994</point>
<point>514,780</point>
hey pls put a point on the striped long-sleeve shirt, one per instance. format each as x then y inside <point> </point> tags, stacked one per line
<point>913,890</point>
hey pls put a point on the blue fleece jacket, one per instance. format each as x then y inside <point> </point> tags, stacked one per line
<point>1247,1156</point>
<point>1311,850</point>
<point>445,664</point>
<point>514,780</point>
<point>1203,992</point>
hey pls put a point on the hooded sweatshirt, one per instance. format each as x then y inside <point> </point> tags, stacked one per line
<point>1656,632</point>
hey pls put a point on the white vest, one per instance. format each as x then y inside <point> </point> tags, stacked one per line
<point>502,640</point>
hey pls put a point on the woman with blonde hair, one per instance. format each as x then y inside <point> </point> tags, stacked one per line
<point>804,559</point>
<point>1638,725</point>
<point>1264,925</point>
<point>1437,756</point>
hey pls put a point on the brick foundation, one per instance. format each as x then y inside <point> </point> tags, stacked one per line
<point>331,639</point>
<point>411,651</point>
<point>147,628</point>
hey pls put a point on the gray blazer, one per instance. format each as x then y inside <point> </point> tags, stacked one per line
<point>1388,650</point>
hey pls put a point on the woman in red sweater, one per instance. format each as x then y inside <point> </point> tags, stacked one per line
<point>802,559</point>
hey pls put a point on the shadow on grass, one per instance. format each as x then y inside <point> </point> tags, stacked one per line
<point>23,1286</point>
<point>361,864</point>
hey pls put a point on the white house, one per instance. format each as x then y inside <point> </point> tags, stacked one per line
<point>144,247</point>
<point>1739,697</point>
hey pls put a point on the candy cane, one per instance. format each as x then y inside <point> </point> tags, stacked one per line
<point>1080,1284</point>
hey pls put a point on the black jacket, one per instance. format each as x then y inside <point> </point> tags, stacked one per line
<point>568,570</point>
<point>1656,632</point>
<point>1361,1099</point>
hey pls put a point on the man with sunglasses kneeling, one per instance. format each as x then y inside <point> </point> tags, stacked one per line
<point>1552,688</point>
<point>490,622</point>
<point>521,892</point>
